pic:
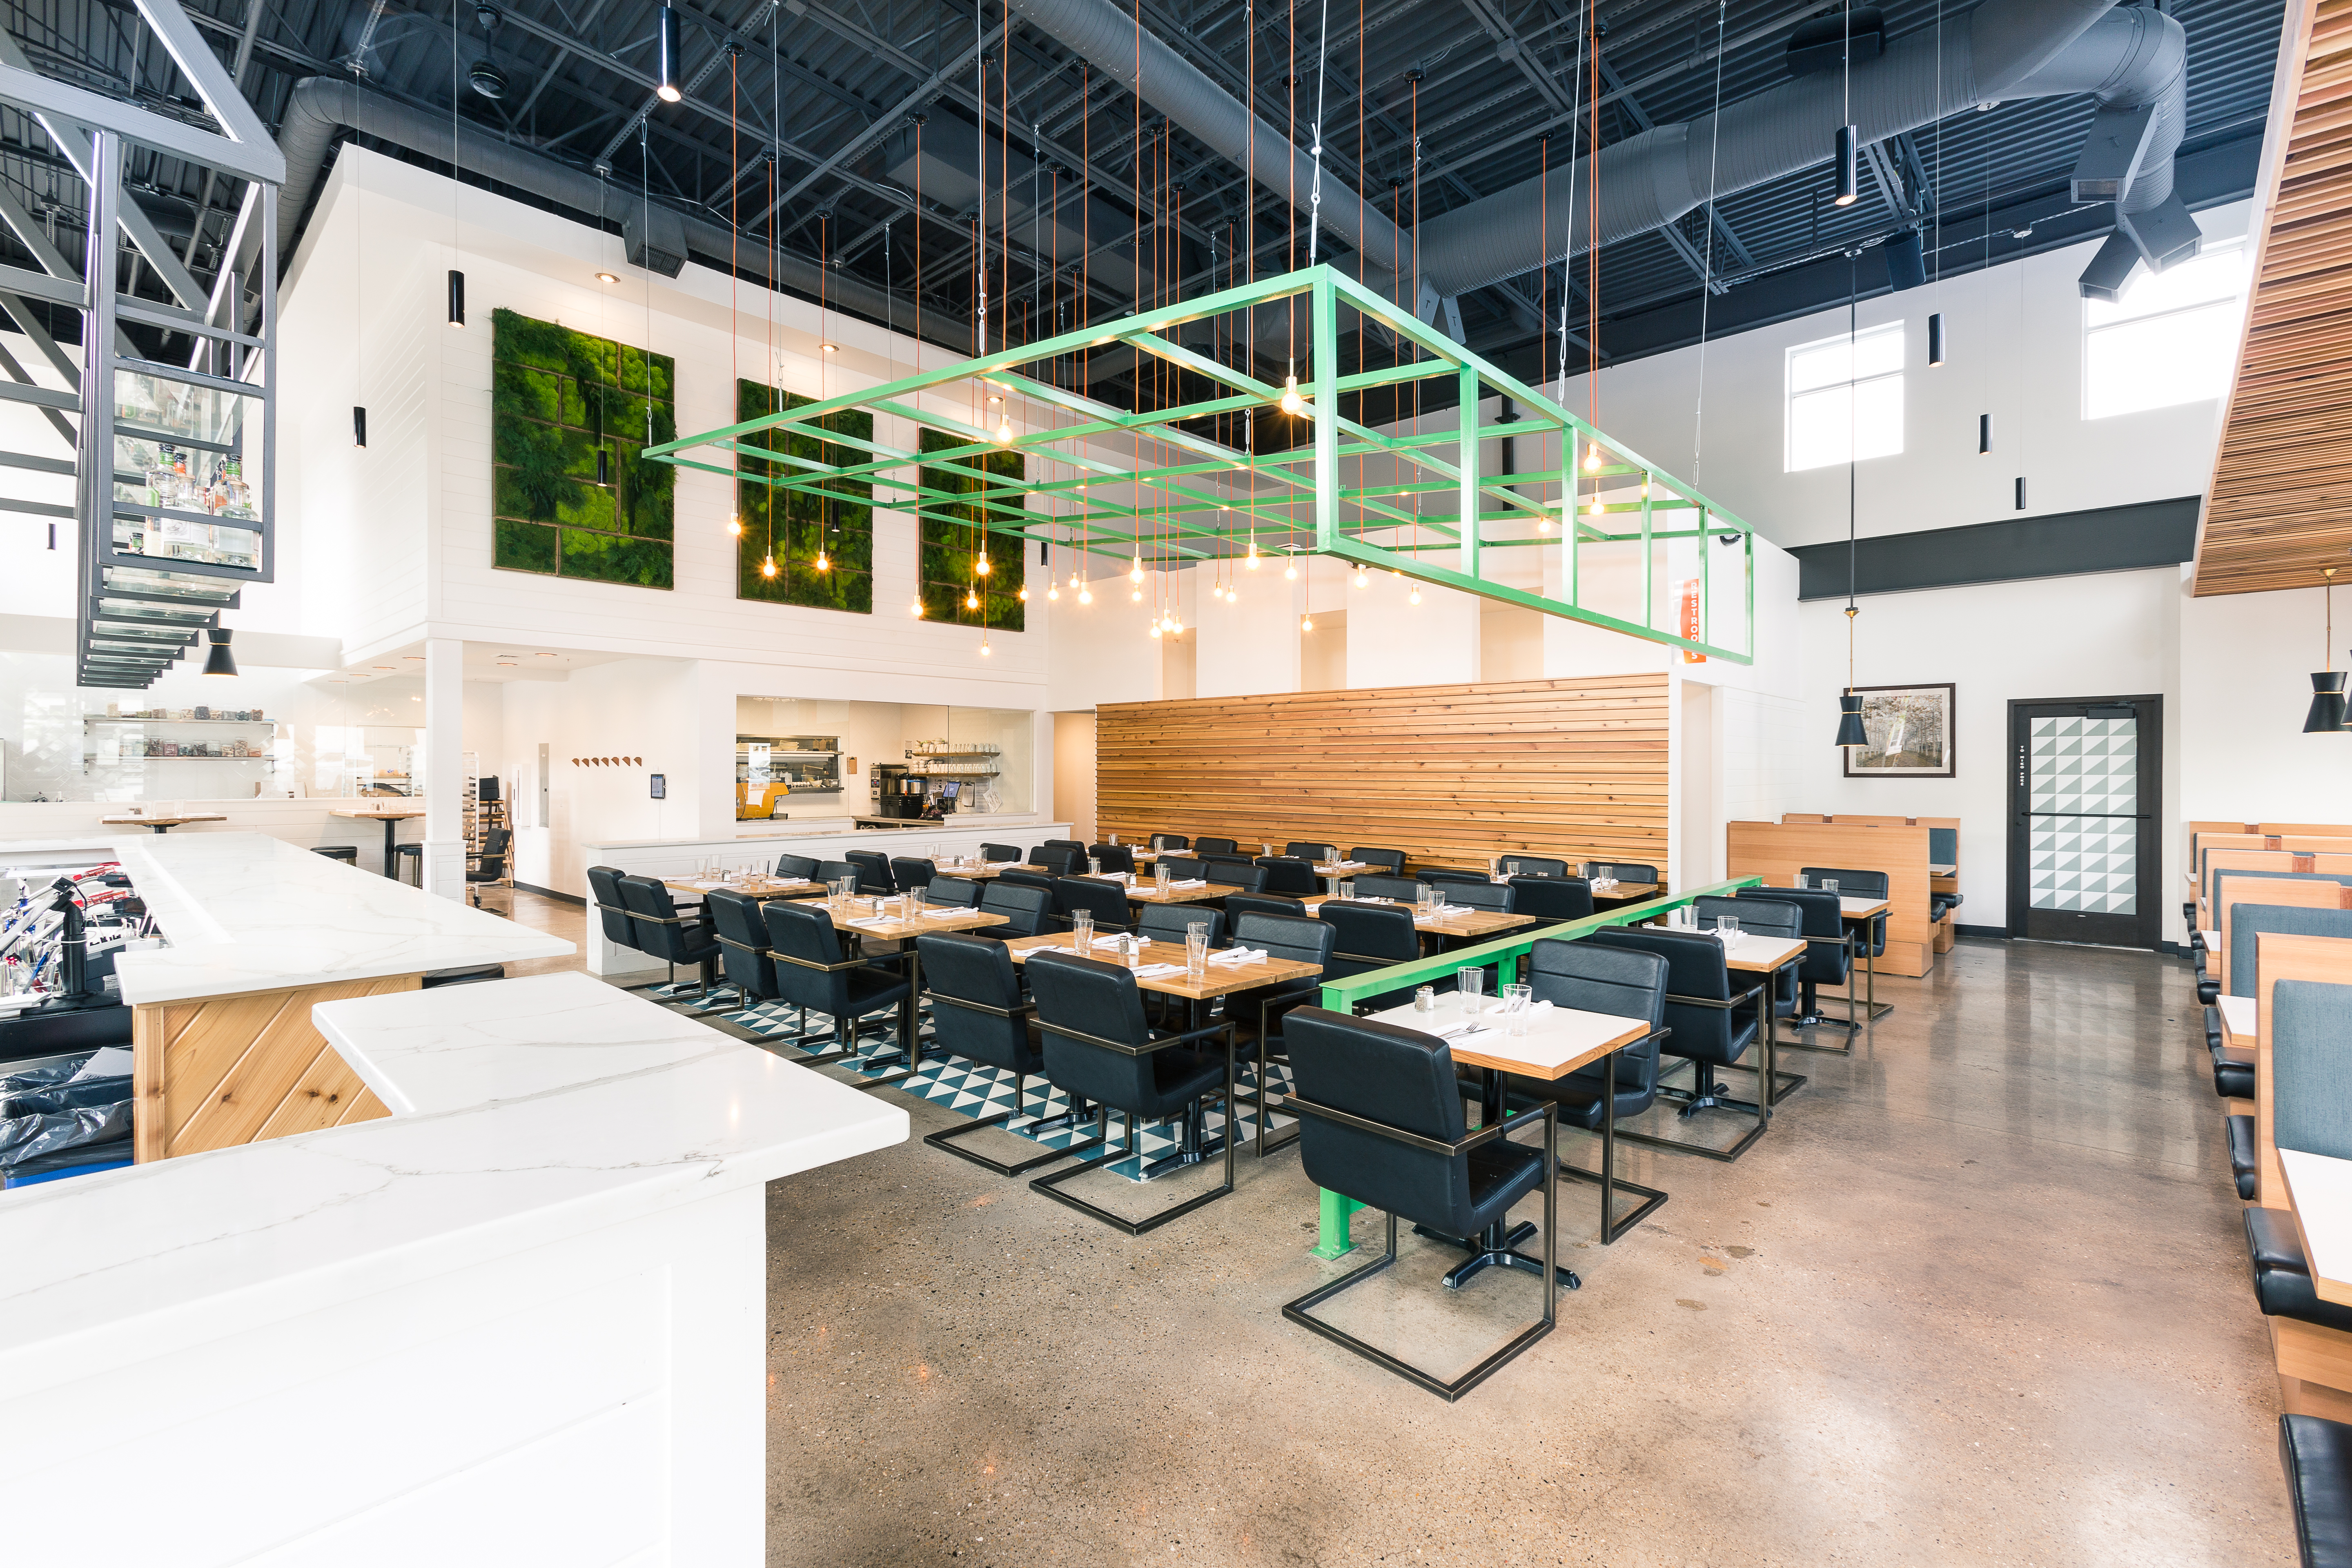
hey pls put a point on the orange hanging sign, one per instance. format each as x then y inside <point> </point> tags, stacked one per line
<point>1690,620</point>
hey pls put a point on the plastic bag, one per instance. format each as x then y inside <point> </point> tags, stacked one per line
<point>23,1137</point>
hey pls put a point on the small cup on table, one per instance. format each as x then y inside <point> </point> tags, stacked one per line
<point>1082,932</point>
<point>1518,997</point>
<point>1472,983</point>
<point>1196,949</point>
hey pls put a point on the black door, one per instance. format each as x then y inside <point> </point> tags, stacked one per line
<point>2085,787</point>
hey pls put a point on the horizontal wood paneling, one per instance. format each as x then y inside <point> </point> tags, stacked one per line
<point>1450,775</point>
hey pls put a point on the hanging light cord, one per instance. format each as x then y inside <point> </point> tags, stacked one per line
<point>1706,268</point>
<point>1315,195</point>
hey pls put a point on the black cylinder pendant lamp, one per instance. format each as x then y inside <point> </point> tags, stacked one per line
<point>456,298</point>
<point>1984,434</point>
<point>2327,706</point>
<point>1936,338</point>
<point>1849,166</point>
<point>665,72</point>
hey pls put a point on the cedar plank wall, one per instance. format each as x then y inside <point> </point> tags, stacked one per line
<point>1450,775</point>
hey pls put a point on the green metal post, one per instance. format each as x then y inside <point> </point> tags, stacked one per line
<point>1467,523</point>
<point>1649,563</point>
<point>1324,374</point>
<point>1331,1240</point>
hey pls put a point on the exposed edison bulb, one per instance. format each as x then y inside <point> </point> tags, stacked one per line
<point>1137,596</point>
<point>767,566</point>
<point>1543,524</point>
<point>916,609</point>
<point>1363,580</point>
<point>1233,596</point>
<point>970,600</point>
<point>1052,593</point>
<point>1595,508</point>
<point>1290,573</point>
<point>983,644</point>
<point>735,525</point>
<point>981,565</point>
<point>1022,595</point>
<point>1413,597</point>
<point>1135,573</point>
<point>822,563</point>
<point>1176,625</point>
<point>1251,562</point>
<point>1291,402</point>
<point>1307,623</point>
<point>1155,628</point>
<point>1085,596</point>
<point>1593,458</point>
<point>1645,487</point>
<point>1004,431</point>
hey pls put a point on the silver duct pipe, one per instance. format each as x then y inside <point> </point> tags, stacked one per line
<point>323,107</point>
<point>2010,49</point>
<point>1108,38</point>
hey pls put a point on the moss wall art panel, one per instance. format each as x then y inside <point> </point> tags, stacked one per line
<point>795,528</point>
<point>950,540</point>
<point>558,395</point>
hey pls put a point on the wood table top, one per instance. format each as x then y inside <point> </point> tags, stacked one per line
<point>983,871</point>
<point>1625,889</point>
<point>2241,1018</point>
<point>752,888</point>
<point>1860,909</point>
<point>1221,980</point>
<point>938,918</point>
<point>1762,954</point>
<point>2319,1191</point>
<point>1936,871</point>
<point>1478,922</point>
<point>1144,892</point>
<point>166,821</point>
<point>1559,1039</point>
<point>398,812</point>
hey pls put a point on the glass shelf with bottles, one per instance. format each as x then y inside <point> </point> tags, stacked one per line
<point>211,415</point>
<point>184,505</point>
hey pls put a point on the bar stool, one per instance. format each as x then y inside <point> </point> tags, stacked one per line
<point>348,854</point>
<point>402,854</point>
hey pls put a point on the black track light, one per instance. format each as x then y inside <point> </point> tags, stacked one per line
<point>1849,165</point>
<point>1984,434</point>
<point>1935,338</point>
<point>219,660</point>
<point>665,72</point>
<point>359,426</point>
<point>456,298</point>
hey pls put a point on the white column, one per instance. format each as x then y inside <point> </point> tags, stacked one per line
<point>444,770</point>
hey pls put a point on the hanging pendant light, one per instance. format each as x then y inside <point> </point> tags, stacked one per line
<point>359,426</point>
<point>1307,623</point>
<point>1849,166</point>
<point>1052,593</point>
<point>1085,596</point>
<point>218,660</point>
<point>822,564</point>
<point>1290,570</point>
<point>1004,430</point>
<point>1363,580</point>
<point>971,599</point>
<point>916,609</point>
<point>1850,731</point>
<point>1593,458</point>
<point>1291,402</point>
<point>2020,492</point>
<point>1984,434</point>
<point>668,39</point>
<point>983,644</point>
<point>1135,571</point>
<point>768,565</point>
<point>456,298</point>
<point>1935,338</point>
<point>604,467</point>
<point>2327,697</point>
<point>1413,597</point>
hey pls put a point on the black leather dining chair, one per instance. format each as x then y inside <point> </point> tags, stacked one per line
<point>745,955</point>
<point>1042,880</point>
<point>1290,875</point>
<point>1061,859</point>
<point>1236,905</point>
<point>1388,860</point>
<point>1113,857</point>
<point>1713,1022</point>
<point>1775,921</point>
<point>1313,854</point>
<point>1404,889</point>
<point>1530,865</point>
<point>1107,901</point>
<point>1214,846</point>
<point>490,865</point>
<point>1595,978</point>
<point>1256,1012</point>
<point>789,866</point>
<point>1380,1123</point>
<point>873,870</point>
<point>997,854</point>
<point>1550,897</point>
<point>1829,961</point>
<point>1160,841</point>
<point>1853,883</point>
<point>912,876</point>
<point>1233,872</point>
<point>1027,910</point>
<point>1183,867</point>
<point>978,1013</point>
<point>1632,871</point>
<point>1168,922</point>
<point>1098,1046</point>
<point>673,938</point>
<point>816,975</point>
<point>1494,896</point>
<point>1368,937</point>
<point>832,872</point>
<point>1076,844</point>
<point>1448,875</point>
<point>612,909</point>
<point>957,893</point>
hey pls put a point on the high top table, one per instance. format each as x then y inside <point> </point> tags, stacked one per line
<point>392,817</point>
<point>161,824</point>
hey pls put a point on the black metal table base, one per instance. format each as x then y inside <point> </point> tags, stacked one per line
<point>1497,1247</point>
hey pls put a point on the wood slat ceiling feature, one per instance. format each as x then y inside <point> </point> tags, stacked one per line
<point>2280,508</point>
<point>1450,775</point>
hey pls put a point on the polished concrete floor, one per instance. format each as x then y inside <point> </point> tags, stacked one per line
<point>1979,1296</point>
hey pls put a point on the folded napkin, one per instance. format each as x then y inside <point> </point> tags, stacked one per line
<point>1107,942</point>
<point>876,924</point>
<point>1447,912</point>
<point>999,865</point>
<point>1233,956</point>
<point>692,882</point>
<point>1195,882</point>
<point>1148,971</point>
<point>1366,898</point>
<point>946,914</point>
<point>788,881</point>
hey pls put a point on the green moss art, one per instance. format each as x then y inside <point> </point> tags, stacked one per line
<point>793,525</point>
<point>555,395</point>
<point>949,545</point>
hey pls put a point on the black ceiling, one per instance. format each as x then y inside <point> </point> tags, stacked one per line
<point>857,70</point>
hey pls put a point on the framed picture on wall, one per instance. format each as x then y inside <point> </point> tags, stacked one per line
<point>1910,731</point>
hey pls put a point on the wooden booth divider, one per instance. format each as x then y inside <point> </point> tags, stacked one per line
<point>2315,1364</point>
<point>1450,775</point>
<point>2283,892</point>
<point>1777,851</point>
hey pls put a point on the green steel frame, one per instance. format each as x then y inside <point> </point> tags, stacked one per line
<point>1181,519</point>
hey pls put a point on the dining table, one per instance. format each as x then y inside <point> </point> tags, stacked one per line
<point>161,824</point>
<point>392,817</point>
<point>2319,1192</point>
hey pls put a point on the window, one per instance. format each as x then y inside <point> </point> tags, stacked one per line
<point>2171,338</point>
<point>1845,398</point>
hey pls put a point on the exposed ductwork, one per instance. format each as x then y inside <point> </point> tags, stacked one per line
<point>322,108</point>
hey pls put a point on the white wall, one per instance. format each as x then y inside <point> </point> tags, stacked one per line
<point>636,707</point>
<point>2245,676</point>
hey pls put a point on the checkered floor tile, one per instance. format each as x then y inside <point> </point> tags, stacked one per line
<point>972,1090</point>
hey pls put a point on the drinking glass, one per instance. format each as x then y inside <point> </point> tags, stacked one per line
<point>1114,839</point>
<point>1196,949</point>
<point>1511,868</point>
<point>1728,925</point>
<point>1159,875</point>
<point>1347,888</point>
<point>1267,850</point>
<point>1829,884</point>
<point>1517,999</point>
<point>1801,879</point>
<point>1473,985</point>
<point>1607,874</point>
<point>1081,930</point>
<point>1093,865</point>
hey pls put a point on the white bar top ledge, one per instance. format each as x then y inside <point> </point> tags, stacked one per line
<point>244,912</point>
<point>521,1320</point>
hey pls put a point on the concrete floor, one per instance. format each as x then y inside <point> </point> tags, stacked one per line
<point>1979,1296</point>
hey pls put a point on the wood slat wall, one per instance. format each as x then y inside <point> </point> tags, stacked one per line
<point>1450,775</point>
<point>2274,516</point>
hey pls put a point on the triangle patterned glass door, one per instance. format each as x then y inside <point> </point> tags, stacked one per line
<point>2083,815</point>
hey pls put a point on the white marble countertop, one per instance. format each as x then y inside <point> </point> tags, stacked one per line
<point>244,912</point>
<point>525,1110</point>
